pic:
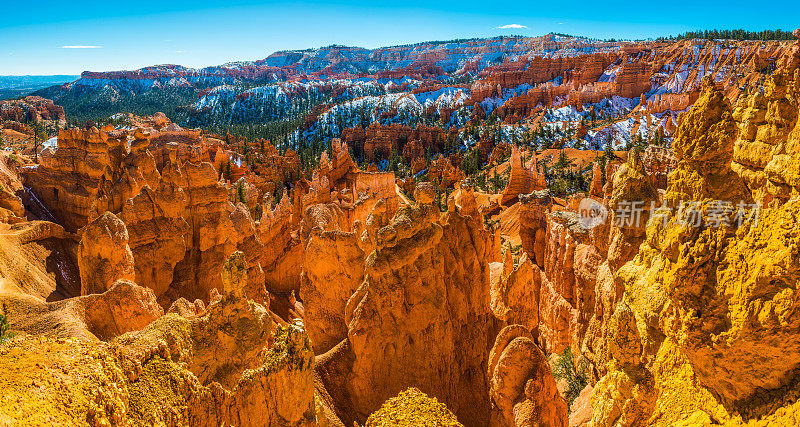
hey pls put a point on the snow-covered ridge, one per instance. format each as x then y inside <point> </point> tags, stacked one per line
<point>350,62</point>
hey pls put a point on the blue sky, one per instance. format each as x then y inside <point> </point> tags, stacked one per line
<point>58,37</point>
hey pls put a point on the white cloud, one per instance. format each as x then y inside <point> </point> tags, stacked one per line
<point>178,51</point>
<point>511,26</point>
<point>81,47</point>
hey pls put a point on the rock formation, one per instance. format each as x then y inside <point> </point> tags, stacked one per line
<point>89,173</point>
<point>31,109</point>
<point>380,141</point>
<point>124,307</point>
<point>659,162</point>
<point>224,367</point>
<point>412,408</point>
<point>157,233</point>
<point>332,256</point>
<point>163,182</point>
<point>523,390</point>
<point>104,255</point>
<point>673,316</point>
<point>420,296</point>
<point>524,178</point>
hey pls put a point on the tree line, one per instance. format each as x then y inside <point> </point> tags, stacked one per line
<point>738,34</point>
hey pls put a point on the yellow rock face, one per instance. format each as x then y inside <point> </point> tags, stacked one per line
<point>704,146</point>
<point>218,369</point>
<point>708,330</point>
<point>766,152</point>
<point>413,408</point>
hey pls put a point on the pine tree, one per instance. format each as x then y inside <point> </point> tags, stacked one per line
<point>240,191</point>
<point>660,137</point>
<point>39,136</point>
<point>608,152</point>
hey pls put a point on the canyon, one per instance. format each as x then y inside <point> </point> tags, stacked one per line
<point>435,261</point>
